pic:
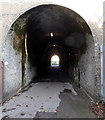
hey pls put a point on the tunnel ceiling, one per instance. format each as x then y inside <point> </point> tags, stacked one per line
<point>68,28</point>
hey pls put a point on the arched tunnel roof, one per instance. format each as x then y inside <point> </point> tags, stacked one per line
<point>53,25</point>
<point>68,27</point>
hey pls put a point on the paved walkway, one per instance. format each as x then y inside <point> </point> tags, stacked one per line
<point>47,100</point>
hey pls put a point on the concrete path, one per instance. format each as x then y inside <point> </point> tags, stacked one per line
<point>47,100</point>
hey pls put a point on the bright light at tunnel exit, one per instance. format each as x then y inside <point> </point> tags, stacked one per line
<point>51,34</point>
<point>55,61</point>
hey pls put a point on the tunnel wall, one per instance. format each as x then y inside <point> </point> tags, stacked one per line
<point>10,11</point>
<point>86,68</point>
<point>16,60</point>
<point>12,79</point>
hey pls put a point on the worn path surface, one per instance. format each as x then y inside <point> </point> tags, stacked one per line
<point>47,100</point>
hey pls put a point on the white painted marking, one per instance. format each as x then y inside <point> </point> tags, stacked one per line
<point>6,63</point>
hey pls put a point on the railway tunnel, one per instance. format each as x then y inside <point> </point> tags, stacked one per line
<point>55,30</point>
<point>50,43</point>
<point>51,59</point>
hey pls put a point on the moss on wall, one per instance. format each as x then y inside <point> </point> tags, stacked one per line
<point>18,42</point>
<point>19,28</point>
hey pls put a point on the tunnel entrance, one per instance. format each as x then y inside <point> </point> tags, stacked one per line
<point>45,31</point>
<point>49,26</point>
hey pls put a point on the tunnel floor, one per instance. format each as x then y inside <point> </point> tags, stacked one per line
<point>55,76</point>
<point>48,100</point>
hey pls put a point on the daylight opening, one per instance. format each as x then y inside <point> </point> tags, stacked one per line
<point>55,61</point>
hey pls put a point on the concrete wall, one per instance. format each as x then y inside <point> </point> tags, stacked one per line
<point>12,9</point>
<point>86,68</point>
<point>12,65</point>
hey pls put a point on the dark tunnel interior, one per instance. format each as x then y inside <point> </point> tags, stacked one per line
<point>55,30</point>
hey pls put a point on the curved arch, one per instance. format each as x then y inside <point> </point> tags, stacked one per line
<point>55,58</point>
<point>19,26</point>
<point>72,27</point>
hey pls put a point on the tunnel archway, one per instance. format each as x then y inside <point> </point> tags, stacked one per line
<point>35,32</point>
<point>50,25</point>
